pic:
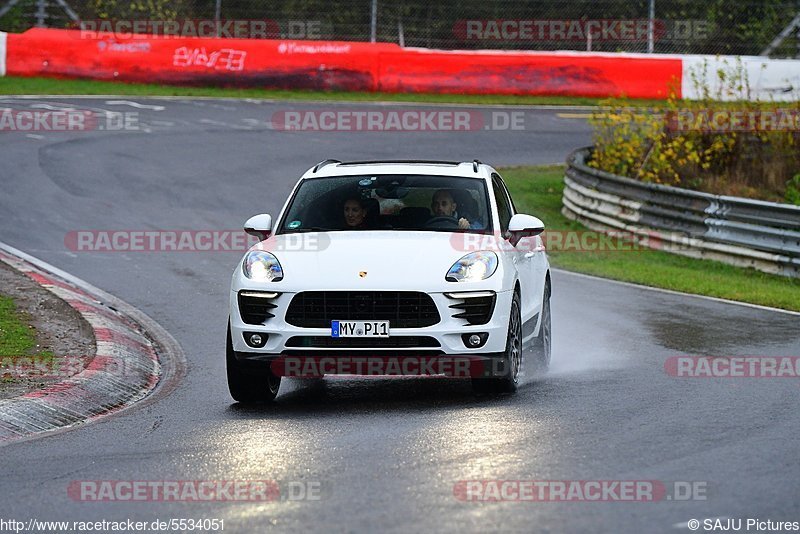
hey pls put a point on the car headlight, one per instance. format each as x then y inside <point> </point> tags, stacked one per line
<point>262,266</point>
<point>473,267</point>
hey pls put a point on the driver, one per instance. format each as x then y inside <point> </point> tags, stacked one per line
<point>443,205</point>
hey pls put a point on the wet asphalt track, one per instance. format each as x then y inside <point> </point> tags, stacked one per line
<point>386,454</point>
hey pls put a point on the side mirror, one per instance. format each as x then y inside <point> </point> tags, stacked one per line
<point>259,226</point>
<point>522,225</point>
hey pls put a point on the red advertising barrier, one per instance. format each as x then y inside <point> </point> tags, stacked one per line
<point>196,61</point>
<point>529,73</point>
<point>328,65</point>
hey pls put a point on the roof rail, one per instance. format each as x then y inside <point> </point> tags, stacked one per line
<point>420,161</point>
<point>475,164</point>
<point>322,163</point>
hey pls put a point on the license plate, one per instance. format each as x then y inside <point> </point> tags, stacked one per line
<point>359,328</point>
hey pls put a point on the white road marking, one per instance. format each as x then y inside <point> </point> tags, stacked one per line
<point>575,115</point>
<point>224,108</point>
<point>225,124</point>
<point>34,136</point>
<point>198,103</point>
<point>60,106</point>
<point>53,108</point>
<point>254,122</point>
<point>134,105</point>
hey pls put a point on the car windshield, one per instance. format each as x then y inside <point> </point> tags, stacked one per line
<point>389,202</point>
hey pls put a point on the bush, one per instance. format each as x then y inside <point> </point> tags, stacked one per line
<point>792,195</point>
<point>670,145</point>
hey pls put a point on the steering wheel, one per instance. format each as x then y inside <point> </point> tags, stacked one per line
<point>442,221</point>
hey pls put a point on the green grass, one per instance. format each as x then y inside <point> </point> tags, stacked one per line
<point>15,336</point>
<point>17,339</point>
<point>537,191</point>
<point>52,86</point>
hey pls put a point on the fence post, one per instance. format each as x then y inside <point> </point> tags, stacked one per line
<point>217,16</point>
<point>401,38</point>
<point>41,13</point>
<point>651,26</point>
<point>374,23</point>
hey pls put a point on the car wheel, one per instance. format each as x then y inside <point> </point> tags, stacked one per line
<point>249,383</point>
<point>511,361</point>
<point>543,344</point>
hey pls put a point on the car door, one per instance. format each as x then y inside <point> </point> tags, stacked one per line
<point>526,255</point>
<point>512,255</point>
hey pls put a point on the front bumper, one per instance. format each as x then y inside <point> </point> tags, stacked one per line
<point>447,332</point>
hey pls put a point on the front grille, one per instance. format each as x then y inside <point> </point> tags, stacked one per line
<point>475,310</point>
<point>400,342</point>
<point>403,309</point>
<point>255,309</point>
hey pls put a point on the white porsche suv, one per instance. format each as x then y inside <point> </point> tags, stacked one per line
<point>391,267</point>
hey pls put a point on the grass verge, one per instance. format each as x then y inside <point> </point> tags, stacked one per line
<point>17,338</point>
<point>52,86</point>
<point>537,190</point>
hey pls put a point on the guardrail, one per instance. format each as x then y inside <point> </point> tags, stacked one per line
<point>742,232</point>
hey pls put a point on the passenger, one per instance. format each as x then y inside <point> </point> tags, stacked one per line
<point>355,214</point>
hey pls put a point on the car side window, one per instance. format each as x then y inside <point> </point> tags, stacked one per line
<point>508,195</point>
<point>504,209</point>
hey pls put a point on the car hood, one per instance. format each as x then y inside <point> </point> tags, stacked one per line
<point>391,260</point>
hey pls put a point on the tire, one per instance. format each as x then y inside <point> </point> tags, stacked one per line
<point>511,360</point>
<point>543,345</point>
<point>250,383</point>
